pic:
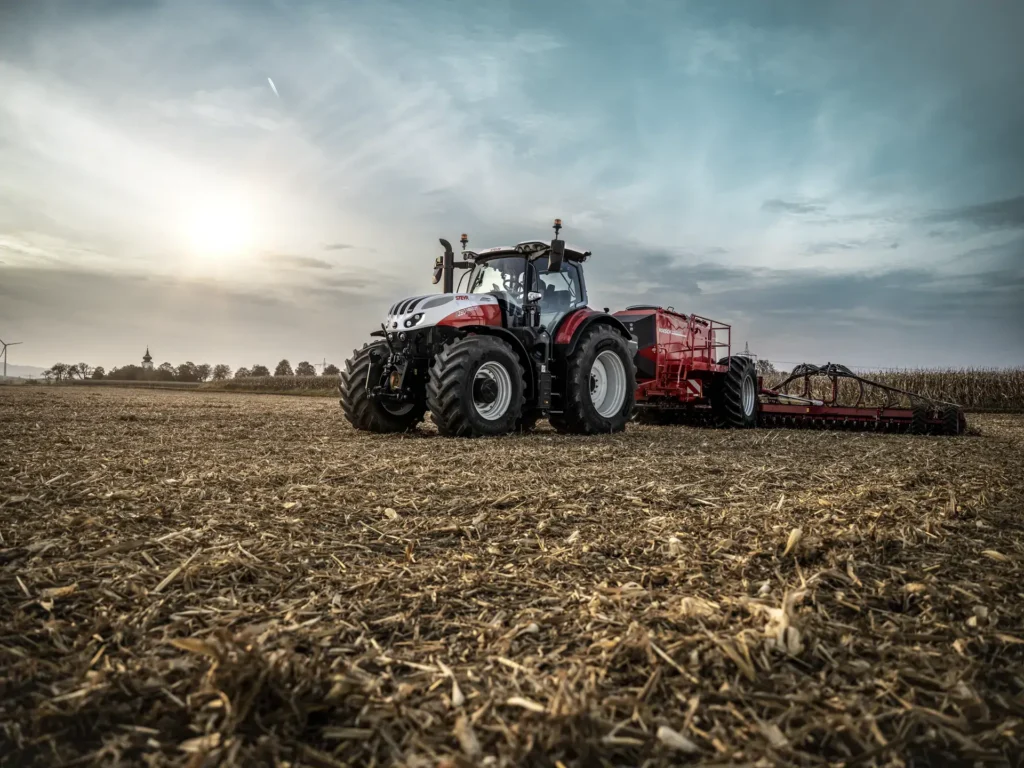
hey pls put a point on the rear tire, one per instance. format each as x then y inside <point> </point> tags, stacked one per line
<point>734,394</point>
<point>365,412</point>
<point>476,388</point>
<point>600,385</point>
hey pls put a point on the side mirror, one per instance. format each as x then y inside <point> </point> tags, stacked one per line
<point>534,296</point>
<point>438,269</point>
<point>556,256</point>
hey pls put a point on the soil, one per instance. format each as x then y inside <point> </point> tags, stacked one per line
<point>194,578</point>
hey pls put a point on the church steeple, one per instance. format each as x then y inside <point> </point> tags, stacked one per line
<point>147,359</point>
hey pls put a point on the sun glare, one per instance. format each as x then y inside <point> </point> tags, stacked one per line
<point>219,229</point>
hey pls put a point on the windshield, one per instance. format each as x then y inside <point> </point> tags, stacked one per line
<point>560,292</point>
<point>500,274</point>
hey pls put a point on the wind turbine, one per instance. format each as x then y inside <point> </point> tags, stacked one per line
<point>4,352</point>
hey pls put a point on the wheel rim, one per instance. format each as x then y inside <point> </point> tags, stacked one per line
<point>492,390</point>
<point>608,384</point>
<point>749,396</point>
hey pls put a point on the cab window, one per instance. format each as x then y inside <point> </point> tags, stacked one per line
<point>562,291</point>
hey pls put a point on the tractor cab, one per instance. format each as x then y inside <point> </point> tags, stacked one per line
<point>521,277</point>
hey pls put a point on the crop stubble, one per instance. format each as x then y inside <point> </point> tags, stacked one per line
<point>210,579</point>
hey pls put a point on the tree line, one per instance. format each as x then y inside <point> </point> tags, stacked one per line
<point>187,371</point>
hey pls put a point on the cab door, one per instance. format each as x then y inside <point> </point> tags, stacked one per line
<point>562,292</point>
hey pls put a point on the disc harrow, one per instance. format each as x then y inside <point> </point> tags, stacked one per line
<point>824,403</point>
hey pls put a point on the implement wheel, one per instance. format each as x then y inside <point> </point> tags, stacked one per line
<point>477,388</point>
<point>734,398</point>
<point>367,413</point>
<point>919,421</point>
<point>953,421</point>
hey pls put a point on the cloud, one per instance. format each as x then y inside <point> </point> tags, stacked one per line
<point>998,214</point>
<point>832,246</point>
<point>810,314</point>
<point>301,261</point>
<point>777,205</point>
<point>823,129</point>
<point>347,281</point>
<point>894,294</point>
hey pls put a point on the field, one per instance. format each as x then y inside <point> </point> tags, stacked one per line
<point>974,389</point>
<point>197,578</point>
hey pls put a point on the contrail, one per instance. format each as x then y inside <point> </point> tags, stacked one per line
<point>273,88</point>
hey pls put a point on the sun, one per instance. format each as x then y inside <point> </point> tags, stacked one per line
<point>219,228</point>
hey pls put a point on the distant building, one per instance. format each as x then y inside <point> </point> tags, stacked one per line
<point>147,360</point>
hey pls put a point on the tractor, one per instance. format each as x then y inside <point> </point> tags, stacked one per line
<point>513,344</point>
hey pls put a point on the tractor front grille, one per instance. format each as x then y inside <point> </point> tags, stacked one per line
<point>405,306</point>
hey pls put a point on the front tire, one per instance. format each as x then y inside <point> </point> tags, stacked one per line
<point>477,388</point>
<point>734,394</point>
<point>368,413</point>
<point>600,386</point>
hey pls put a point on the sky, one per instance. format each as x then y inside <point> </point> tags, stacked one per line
<point>251,180</point>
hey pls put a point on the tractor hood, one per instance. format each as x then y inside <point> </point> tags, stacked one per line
<point>449,309</point>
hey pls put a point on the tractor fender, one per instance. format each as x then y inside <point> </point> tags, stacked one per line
<point>575,323</point>
<point>517,345</point>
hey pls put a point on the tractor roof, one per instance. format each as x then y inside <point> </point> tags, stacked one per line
<point>535,247</point>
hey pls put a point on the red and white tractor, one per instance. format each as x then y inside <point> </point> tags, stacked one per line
<point>514,344</point>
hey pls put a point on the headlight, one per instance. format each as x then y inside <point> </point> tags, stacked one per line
<point>409,323</point>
